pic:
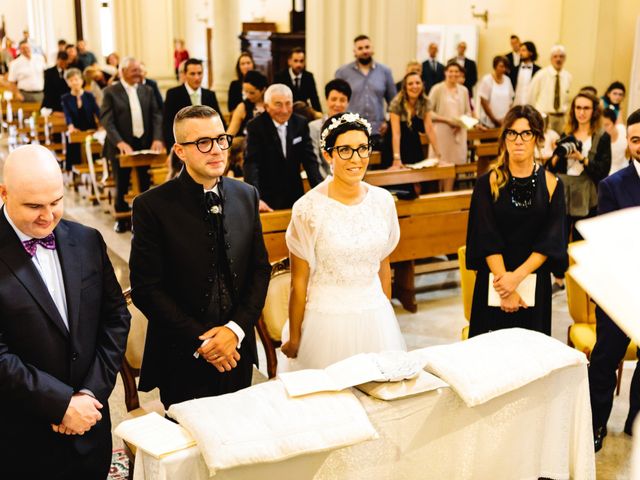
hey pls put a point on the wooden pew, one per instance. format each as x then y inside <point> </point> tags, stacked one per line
<point>383,178</point>
<point>475,135</point>
<point>431,225</point>
<point>150,160</point>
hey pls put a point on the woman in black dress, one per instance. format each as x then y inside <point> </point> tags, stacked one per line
<point>243,65</point>
<point>410,115</point>
<point>516,228</point>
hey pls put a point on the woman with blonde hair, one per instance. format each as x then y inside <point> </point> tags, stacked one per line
<point>410,115</point>
<point>516,231</point>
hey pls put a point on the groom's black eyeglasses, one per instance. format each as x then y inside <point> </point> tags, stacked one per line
<point>205,144</point>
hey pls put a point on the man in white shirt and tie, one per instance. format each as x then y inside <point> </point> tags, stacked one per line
<point>63,329</point>
<point>133,121</point>
<point>549,89</point>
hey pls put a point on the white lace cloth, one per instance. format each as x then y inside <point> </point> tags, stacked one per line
<point>347,311</point>
<point>540,430</point>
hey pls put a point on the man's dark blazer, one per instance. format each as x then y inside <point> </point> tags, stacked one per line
<point>156,91</point>
<point>514,73</point>
<point>306,93</point>
<point>620,190</point>
<point>178,98</point>
<point>430,76</point>
<point>170,274</point>
<point>54,87</point>
<point>41,362</point>
<point>115,117</point>
<point>617,191</point>
<point>510,58</point>
<point>471,73</point>
<point>277,177</point>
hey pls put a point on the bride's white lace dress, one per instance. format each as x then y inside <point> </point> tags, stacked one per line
<point>347,311</point>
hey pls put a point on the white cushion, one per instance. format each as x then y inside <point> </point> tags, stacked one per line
<point>263,424</point>
<point>495,363</point>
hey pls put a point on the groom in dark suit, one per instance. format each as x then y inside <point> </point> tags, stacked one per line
<point>618,191</point>
<point>278,143</point>
<point>133,121</point>
<point>63,329</point>
<point>199,269</point>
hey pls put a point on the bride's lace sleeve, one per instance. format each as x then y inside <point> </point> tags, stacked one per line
<point>301,232</point>
<point>389,209</point>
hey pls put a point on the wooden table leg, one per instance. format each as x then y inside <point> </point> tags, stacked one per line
<point>404,285</point>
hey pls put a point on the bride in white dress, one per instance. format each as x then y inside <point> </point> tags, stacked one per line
<point>340,237</point>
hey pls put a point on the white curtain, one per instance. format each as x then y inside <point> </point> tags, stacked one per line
<point>634,82</point>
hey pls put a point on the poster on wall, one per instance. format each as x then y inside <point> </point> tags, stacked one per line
<point>447,37</point>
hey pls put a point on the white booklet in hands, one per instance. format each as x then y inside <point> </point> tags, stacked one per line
<point>526,290</point>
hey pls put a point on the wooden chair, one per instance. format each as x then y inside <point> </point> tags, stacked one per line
<point>130,370</point>
<point>581,335</point>
<point>275,312</point>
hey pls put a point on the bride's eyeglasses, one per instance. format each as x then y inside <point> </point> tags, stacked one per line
<point>345,152</point>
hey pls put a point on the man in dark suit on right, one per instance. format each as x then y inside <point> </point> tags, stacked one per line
<point>432,69</point>
<point>299,80</point>
<point>278,143</point>
<point>620,190</point>
<point>133,121</point>
<point>54,83</point>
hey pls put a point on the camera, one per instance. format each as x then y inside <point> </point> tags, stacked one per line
<point>566,146</point>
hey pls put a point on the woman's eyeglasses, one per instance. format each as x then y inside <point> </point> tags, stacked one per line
<point>205,144</point>
<point>345,152</point>
<point>512,135</point>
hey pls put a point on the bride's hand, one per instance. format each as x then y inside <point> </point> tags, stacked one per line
<point>290,349</point>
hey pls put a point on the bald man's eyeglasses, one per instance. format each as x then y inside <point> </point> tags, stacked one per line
<point>205,144</point>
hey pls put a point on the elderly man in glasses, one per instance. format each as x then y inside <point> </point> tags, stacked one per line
<point>199,269</point>
<point>278,142</point>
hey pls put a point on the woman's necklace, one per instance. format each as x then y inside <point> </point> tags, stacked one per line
<point>523,190</point>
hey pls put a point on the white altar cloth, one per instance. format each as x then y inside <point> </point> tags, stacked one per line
<point>542,429</point>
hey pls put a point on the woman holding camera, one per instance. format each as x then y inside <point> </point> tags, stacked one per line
<point>581,159</point>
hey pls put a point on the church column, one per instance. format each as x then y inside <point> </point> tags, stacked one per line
<point>137,30</point>
<point>227,26</point>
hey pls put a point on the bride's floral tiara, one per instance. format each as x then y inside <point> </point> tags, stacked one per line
<point>341,120</point>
